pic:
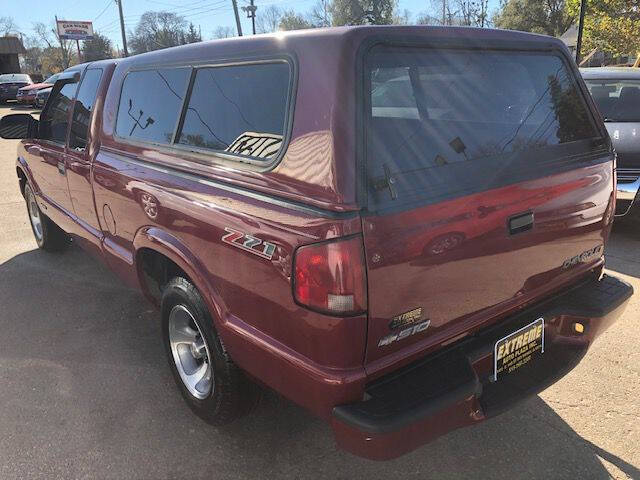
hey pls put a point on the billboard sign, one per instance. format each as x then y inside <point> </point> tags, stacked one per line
<point>73,30</point>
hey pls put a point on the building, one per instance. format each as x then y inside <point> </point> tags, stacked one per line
<point>10,48</point>
<point>594,58</point>
<point>570,38</point>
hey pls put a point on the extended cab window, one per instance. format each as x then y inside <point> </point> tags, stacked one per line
<point>446,123</point>
<point>150,104</point>
<point>82,109</point>
<point>238,109</point>
<point>55,119</point>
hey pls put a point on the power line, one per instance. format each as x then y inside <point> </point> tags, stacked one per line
<point>216,9</point>
<point>104,10</point>
<point>181,11</point>
<point>187,5</point>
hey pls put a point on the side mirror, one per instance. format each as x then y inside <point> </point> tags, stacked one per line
<point>17,126</point>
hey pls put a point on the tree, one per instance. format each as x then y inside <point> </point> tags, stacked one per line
<point>192,36</point>
<point>7,26</point>
<point>320,14</point>
<point>224,32</point>
<point>31,60</point>
<point>426,18</point>
<point>269,20</point>
<point>156,30</point>
<point>550,17</point>
<point>292,21</point>
<point>610,25</point>
<point>473,13</point>
<point>363,12</point>
<point>98,48</point>
<point>402,18</point>
<point>56,53</point>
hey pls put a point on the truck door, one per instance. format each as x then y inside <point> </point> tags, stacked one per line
<point>80,152</point>
<point>47,155</point>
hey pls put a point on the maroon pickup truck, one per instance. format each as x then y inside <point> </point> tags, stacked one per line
<point>400,228</point>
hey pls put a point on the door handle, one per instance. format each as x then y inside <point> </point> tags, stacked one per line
<point>62,169</point>
<point>520,222</point>
<point>34,150</point>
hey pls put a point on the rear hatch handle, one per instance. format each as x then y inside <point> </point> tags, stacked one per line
<point>520,222</point>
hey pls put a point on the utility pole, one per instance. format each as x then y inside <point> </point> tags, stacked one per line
<point>124,36</point>
<point>79,54</point>
<point>235,10</point>
<point>251,13</point>
<point>444,12</point>
<point>583,8</point>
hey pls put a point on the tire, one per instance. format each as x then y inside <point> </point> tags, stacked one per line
<point>48,235</point>
<point>227,394</point>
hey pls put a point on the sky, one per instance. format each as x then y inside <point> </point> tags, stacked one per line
<point>206,14</point>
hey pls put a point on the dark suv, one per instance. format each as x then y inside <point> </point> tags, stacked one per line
<point>616,92</point>
<point>401,229</point>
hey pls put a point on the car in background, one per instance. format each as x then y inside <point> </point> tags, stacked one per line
<point>616,92</point>
<point>10,83</point>
<point>42,96</point>
<point>27,94</point>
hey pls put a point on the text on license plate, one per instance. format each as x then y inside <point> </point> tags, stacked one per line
<point>518,348</point>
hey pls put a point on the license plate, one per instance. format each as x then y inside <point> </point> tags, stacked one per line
<point>518,348</point>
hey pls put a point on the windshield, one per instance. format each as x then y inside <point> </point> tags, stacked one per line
<point>52,79</point>
<point>442,122</point>
<point>14,77</point>
<point>617,100</point>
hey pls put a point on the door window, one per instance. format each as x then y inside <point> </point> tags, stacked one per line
<point>55,119</point>
<point>82,109</point>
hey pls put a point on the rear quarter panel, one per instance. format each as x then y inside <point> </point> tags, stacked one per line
<point>193,214</point>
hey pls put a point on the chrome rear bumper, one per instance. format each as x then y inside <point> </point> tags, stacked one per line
<point>628,186</point>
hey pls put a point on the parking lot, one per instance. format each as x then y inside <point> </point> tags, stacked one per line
<point>85,391</point>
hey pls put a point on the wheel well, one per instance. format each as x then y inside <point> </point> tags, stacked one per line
<point>22,178</point>
<point>156,270</point>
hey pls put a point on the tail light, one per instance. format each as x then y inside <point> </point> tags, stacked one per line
<point>330,277</point>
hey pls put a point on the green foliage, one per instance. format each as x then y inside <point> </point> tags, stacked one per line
<point>610,25</point>
<point>293,21</point>
<point>192,35</point>
<point>570,112</point>
<point>157,30</point>
<point>363,12</point>
<point>550,17</point>
<point>98,48</point>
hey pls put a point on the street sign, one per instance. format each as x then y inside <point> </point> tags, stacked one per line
<point>74,30</point>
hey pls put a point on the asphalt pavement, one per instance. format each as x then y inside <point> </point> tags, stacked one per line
<point>85,391</point>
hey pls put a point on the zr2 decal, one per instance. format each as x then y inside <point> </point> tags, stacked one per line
<point>249,243</point>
